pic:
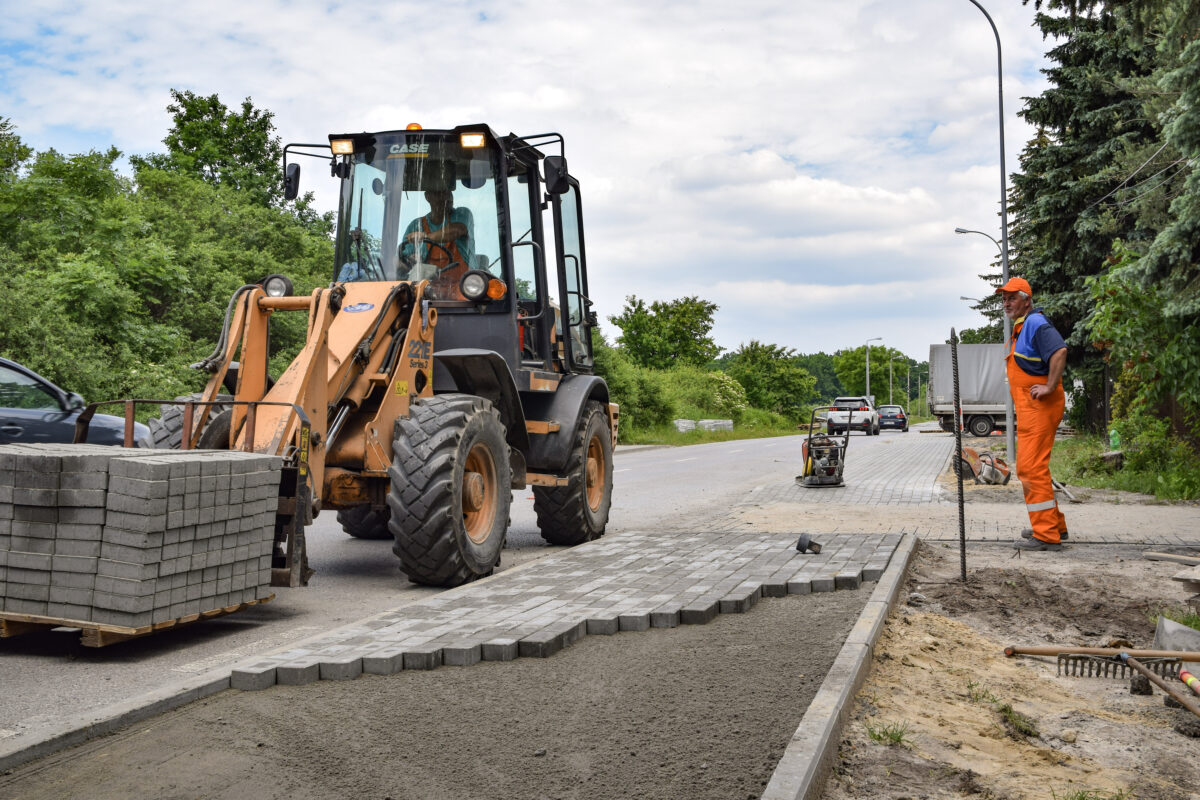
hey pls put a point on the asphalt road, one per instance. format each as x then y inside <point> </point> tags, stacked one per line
<point>49,677</point>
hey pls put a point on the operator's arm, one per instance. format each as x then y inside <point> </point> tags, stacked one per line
<point>445,235</point>
<point>1058,362</point>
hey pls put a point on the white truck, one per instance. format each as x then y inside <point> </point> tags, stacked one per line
<point>983,386</point>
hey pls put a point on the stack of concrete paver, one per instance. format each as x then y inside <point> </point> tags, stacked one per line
<point>129,537</point>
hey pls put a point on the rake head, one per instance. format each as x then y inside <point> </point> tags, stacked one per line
<point>1080,666</point>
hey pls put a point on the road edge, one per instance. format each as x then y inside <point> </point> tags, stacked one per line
<point>809,756</point>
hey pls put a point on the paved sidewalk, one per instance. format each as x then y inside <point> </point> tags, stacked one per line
<point>875,476</point>
<point>628,581</point>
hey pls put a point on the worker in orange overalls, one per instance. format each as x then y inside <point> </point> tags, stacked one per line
<point>1036,357</point>
<point>444,238</point>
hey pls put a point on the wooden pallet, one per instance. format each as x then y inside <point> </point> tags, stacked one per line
<point>97,634</point>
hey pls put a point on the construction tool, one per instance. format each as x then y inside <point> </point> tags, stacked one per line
<point>1192,682</point>
<point>806,544</point>
<point>1084,666</point>
<point>824,455</point>
<point>1053,650</point>
<point>1125,658</point>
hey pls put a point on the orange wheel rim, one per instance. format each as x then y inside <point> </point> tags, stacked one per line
<point>479,494</point>
<point>594,474</point>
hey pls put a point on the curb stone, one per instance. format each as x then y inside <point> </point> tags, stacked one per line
<point>809,756</point>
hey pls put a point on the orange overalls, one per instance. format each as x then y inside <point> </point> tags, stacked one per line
<point>448,276</point>
<point>1037,421</point>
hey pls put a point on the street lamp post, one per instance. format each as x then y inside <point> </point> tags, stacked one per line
<point>1010,440</point>
<point>875,339</point>
<point>890,360</point>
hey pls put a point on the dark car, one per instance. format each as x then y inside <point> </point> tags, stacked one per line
<point>893,417</point>
<point>32,409</point>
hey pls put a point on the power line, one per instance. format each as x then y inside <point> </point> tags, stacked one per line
<point>1131,176</point>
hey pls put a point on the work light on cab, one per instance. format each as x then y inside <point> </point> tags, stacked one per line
<point>342,147</point>
<point>471,140</point>
<point>474,285</point>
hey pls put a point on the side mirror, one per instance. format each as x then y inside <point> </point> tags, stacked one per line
<point>555,170</point>
<point>74,401</point>
<point>291,181</point>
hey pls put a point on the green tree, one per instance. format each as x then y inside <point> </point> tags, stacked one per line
<point>667,334</point>
<point>821,367</point>
<point>112,287</point>
<point>237,150</point>
<point>851,367</point>
<point>772,378</point>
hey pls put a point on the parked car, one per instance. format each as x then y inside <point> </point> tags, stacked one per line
<point>856,413</point>
<point>32,409</point>
<point>893,417</point>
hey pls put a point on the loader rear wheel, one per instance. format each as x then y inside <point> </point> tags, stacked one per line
<point>450,489</point>
<point>578,512</point>
<point>166,430</point>
<point>364,522</point>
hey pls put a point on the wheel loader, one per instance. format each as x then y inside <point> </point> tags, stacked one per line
<point>448,363</point>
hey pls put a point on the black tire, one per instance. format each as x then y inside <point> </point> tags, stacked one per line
<point>578,512</point>
<point>166,430</point>
<point>440,539</point>
<point>364,522</point>
<point>981,425</point>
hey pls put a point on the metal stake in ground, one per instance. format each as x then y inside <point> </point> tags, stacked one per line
<point>962,522</point>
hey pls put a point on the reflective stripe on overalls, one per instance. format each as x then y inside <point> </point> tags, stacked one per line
<point>1037,422</point>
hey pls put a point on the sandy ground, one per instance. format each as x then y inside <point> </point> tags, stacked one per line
<point>940,680</point>
<point>690,712</point>
<point>940,677</point>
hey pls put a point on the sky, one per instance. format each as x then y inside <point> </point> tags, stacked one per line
<point>801,164</point>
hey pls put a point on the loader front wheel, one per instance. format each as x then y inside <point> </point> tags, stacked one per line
<point>364,522</point>
<point>578,512</point>
<point>450,489</point>
<point>166,430</point>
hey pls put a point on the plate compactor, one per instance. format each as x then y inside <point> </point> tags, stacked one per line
<point>824,455</point>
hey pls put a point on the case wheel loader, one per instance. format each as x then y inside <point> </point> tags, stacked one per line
<point>448,363</point>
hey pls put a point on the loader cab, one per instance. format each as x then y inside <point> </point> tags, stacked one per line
<point>439,204</point>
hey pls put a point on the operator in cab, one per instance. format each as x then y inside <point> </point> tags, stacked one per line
<point>443,238</point>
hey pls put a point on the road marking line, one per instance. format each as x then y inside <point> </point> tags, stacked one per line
<point>626,469</point>
<point>681,460</point>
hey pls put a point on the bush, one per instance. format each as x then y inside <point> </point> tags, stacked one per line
<point>697,393</point>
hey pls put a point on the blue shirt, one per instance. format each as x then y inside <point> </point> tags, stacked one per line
<point>1036,342</point>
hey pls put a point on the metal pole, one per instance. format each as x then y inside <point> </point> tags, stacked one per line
<point>889,380</point>
<point>1010,433</point>
<point>868,343</point>
<point>868,392</point>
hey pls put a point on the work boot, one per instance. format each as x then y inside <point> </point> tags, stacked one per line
<point>1028,534</point>
<point>1035,544</point>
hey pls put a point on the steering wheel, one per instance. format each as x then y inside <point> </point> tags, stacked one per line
<point>411,259</point>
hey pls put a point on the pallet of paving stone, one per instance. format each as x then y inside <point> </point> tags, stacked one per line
<point>97,635</point>
<point>128,541</point>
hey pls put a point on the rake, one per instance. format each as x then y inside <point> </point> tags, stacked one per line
<point>1085,666</point>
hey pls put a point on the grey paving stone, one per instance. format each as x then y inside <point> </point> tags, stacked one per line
<point>422,657</point>
<point>461,655</point>
<point>341,669</point>
<point>253,678</point>
<point>297,673</point>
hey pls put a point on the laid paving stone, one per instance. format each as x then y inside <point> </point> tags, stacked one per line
<point>633,581</point>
